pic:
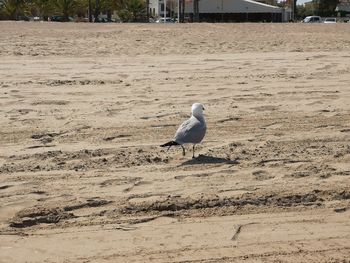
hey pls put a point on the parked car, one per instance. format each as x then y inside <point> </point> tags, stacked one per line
<point>312,19</point>
<point>103,20</point>
<point>330,20</point>
<point>60,19</point>
<point>23,18</point>
<point>165,20</point>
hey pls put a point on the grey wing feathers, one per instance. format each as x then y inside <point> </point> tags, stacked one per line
<point>190,131</point>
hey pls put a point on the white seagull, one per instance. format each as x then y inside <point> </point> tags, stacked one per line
<point>190,131</point>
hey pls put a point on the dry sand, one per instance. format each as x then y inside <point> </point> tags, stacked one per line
<point>84,108</point>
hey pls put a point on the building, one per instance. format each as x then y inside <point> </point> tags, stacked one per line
<point>268,2</point>
<point>156,8</point>
<point>219,10</point>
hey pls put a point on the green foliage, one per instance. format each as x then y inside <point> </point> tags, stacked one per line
<point>41,8</point>
<point>65,8</point>
<point>81,7</point>
<point>305,10</point>
<point>326,7</point>
<point>132,11</point>
<point>11,9</point>
<point>318,7</point>
<point>106,5</point>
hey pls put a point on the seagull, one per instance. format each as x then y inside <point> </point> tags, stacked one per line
<point>190,131</point>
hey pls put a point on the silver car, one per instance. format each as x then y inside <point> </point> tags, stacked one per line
<point>312,19</point>
<point>330,20</point>
<point>165,20</point>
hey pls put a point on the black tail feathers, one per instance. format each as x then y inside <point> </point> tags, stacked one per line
<point>169,144</point>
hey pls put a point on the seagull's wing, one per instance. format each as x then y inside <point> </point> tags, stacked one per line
<point>190,131</point>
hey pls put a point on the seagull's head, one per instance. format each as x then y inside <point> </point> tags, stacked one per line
<point>197,110</point>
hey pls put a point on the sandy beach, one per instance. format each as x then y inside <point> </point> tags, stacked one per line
<point>84,108</point>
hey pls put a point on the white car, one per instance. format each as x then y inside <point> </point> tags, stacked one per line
<point>312,19</point>
<point>166,20</point>
<point>330,20</point>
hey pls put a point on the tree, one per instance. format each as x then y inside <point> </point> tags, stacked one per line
<point>318,7</point>
<point>128,10</point>
<point>132,11</point>
<point>325,7</point>
<point>305,10</point>
<point>44,8</point>
<point>81,7</point>
<point>65,7</point>
<point>11,9</point>
<point>105,6</point>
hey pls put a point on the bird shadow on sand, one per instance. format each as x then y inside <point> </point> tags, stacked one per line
<point>206,159</point>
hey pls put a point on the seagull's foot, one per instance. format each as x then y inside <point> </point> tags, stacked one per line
<point>193,157</point>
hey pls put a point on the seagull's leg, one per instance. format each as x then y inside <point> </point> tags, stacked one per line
<point>183,150</point>
<point>193,151</point>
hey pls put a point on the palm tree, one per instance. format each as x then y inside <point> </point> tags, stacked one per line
<point>107,6</point>
<point>65,8</point>
<point>44,8</point>
<point>132,10</point>
<point>12,8</point>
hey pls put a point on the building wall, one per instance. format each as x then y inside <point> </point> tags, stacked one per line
<point>157,7</point>
<point>241,17</point>
<point>233,10</point>
<point>231,6</point>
